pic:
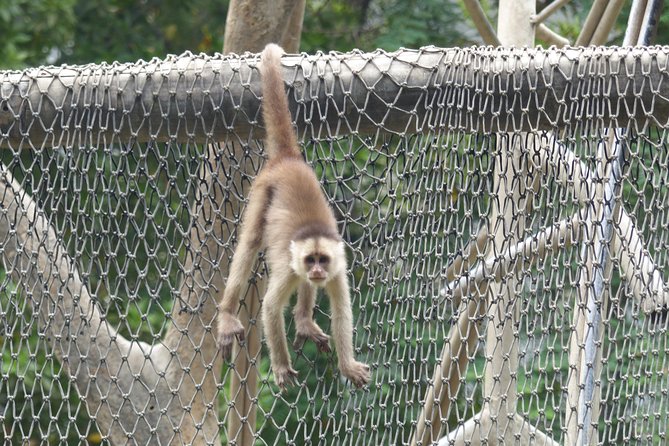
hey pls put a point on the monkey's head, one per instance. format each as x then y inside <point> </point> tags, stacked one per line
<point>317,259</point>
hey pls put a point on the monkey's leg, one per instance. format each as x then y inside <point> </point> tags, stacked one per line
<point>250,241</point>
<point>281,285</point>
<point>305,326</point>
<point>342,331</point>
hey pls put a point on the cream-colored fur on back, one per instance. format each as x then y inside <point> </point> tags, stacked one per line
<point>297,201</point>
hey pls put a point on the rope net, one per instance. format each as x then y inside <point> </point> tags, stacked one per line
<point>508,252</point>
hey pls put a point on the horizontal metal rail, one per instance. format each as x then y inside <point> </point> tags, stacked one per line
<point>199,98</point>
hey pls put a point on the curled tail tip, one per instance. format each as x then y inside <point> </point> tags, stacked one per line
<point>273,47</point>
<point>270,59</point>
<point>272,52</point>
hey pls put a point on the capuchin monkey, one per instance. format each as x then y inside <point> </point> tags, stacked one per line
<point>288,215</point>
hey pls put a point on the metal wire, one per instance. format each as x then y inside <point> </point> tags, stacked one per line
<point>469,189</point>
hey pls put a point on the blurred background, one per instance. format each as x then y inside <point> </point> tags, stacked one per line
<point>38,32</point>
<point>55,32</point>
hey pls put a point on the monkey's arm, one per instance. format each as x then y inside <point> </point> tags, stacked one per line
<point>282,284</point>
<point>305,326</point>
<point>342,331</point>
<point>250,241</point>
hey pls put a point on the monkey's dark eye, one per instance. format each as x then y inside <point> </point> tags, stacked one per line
<point>323,259</point>
<point>310,260</point>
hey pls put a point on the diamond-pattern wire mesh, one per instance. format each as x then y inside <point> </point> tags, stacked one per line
<point>115,248</point>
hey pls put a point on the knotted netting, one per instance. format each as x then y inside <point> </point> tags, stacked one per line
<point>505,213</point>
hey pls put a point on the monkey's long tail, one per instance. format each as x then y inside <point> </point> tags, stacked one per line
<point>280,140</point>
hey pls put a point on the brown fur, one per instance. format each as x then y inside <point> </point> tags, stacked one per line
<point>289,216</point>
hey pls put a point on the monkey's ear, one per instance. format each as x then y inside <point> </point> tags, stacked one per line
<point>294,250</point>
<point>341,246</point>
<point>295,262</point>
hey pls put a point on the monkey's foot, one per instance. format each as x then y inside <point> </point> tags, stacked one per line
<point>357,372</point>
<point>229,328</point>
<point>284,377</point>
<point>311,331</point>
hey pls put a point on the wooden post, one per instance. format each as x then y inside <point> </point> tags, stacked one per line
<point>249,27</point>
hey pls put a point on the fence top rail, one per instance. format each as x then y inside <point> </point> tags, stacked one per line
<point>202,98</point>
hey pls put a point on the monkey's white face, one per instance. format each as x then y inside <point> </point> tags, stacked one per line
<point>318,259</point>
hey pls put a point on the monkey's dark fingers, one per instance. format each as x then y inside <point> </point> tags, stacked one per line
<point>226,342</point>
<point>299,341</point>
<point>285,377</point>
<point>366,377</point>
<point>229,329</point>
<point>323,347</point>
<point>358,373</point>
<point>321,340</point>
<point>225,348</point>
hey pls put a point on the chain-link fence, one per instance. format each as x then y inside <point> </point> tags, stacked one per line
<point>505,213</point>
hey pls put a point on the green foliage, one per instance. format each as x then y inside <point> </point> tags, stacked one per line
<point>662,37</point>
<point>126,30</point>
<point>33,31</point>
<point>387,24</point>
<point>412,24</point>
<point>389,291</point>
<point>34,389</point>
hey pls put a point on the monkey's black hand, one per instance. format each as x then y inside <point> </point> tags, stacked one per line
<point>284,377</point>
<point>229,328</point>
<point>357,372</point>
<point>313,332</point>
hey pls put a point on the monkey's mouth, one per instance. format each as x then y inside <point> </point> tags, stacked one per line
<point>317,279</point>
